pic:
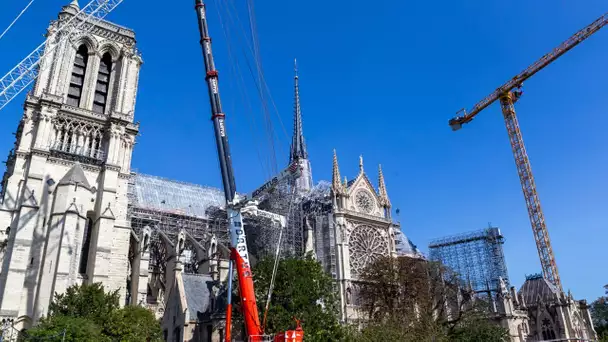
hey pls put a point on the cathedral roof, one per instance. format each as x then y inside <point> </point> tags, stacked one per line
<point>404,245</point>
<point>197,292</point>
<point>156,193</point>
<point>75,176</point>
<point>538,287</point>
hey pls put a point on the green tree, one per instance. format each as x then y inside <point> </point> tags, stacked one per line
<point>86,301</point>
<point>302,290</point>
<point>133,323</point>
<point>76,329</point>
<point>599,314</point>
<point>89,313</point>
<point>412,299</point>
<point>476,327</point>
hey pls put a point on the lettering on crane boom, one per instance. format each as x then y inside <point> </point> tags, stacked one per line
<point>237,235</point>
<point>292,170</point>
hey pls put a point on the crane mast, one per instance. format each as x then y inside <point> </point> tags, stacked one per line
<point>238,249</point>
<point>508,94</point>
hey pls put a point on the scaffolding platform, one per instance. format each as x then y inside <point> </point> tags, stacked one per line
<point>477,257</point>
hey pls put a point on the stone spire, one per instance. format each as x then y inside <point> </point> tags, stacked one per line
<point>382,189</point>
<point>298,146</point>
<point>335,178</point>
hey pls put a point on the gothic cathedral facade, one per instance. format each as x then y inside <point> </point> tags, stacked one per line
<point>64,193</point>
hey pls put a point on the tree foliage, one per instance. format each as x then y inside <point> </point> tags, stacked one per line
<point>302,290</point>
<point>599,314</point>
<point>88,313</point>
<point>410,299</point>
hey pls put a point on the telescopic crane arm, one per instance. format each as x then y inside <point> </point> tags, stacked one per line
<point>238,245</point>
<point>508,94</point>
<point>235,206</point>
<point>457,122</point>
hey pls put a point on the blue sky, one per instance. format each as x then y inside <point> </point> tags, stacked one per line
<point>382,79</point>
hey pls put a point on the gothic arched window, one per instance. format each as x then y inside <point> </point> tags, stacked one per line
<point>77,79</point>
<point>103,82</point>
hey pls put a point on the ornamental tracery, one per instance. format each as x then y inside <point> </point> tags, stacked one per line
<point>366,245</point>
<point>77,137</point>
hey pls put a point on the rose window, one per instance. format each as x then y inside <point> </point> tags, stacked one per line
<point>366,245</point>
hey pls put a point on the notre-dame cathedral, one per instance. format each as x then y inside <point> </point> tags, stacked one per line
<point>72,211</point>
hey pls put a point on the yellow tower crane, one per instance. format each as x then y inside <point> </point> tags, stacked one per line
<point>508,94</point>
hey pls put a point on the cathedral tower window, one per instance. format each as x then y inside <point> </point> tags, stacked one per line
<point>103,82</point>
<point>77,79</point>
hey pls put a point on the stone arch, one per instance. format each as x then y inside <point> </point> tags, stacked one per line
<point>88,40</point>
<point>546,326</point>
<point>110,48</point>
<point>193,254</point>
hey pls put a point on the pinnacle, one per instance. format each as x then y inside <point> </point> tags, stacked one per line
<point>75,4</point>
<point>335,179</point>
<point>382,188</point>
<point>361,163</point>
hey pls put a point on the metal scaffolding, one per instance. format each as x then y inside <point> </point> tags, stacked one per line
<point>316,208</point>
<point>170,206</point>
<point>477,257</point>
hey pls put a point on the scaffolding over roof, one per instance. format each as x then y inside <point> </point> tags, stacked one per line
<point>161,194</point>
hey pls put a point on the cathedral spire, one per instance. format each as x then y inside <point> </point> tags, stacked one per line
<point>298,146</point>
<point>382,188</point>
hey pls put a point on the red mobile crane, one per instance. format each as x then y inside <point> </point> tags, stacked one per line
<point>238,244</point>
<point>508,94</point>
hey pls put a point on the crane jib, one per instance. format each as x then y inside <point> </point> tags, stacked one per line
<point>547,59</point>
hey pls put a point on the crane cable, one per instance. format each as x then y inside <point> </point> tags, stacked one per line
<point>262,85</point>
<point>17,18</point>
<point>258,63</point>
<point>245,41</point>
<point>240,81</point>
<point>275,267</point>
<point>265,84</point>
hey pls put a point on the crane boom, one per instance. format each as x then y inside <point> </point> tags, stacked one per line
<point>238,246</point>
<point>235,206</point>
<point>24,73</point>
<point>457,122</point>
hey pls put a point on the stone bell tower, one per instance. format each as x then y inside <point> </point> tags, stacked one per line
<point>63,202</point>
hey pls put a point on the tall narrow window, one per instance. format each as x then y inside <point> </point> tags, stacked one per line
<point>77,80</point>
<point>103,81</point>
<point>84,253</point>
